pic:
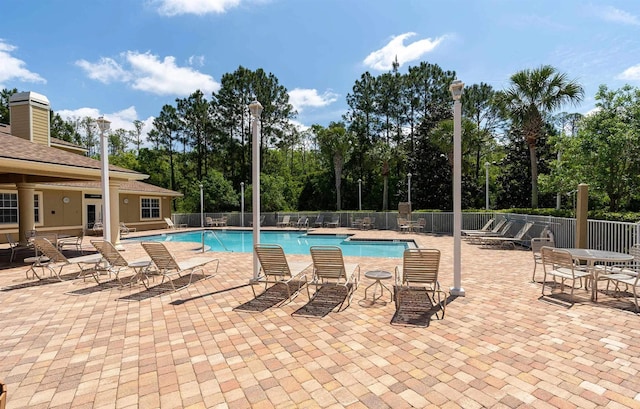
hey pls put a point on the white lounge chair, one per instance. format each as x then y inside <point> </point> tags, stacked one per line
<point>420,267</point>
<point>277,270</point>
<point>329,268</point>
<point>52,259</point>
<point>167,266</point>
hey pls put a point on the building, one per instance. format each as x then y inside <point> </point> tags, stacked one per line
<point>50,185</point>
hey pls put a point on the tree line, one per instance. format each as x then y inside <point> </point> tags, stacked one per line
<point>396,124</point>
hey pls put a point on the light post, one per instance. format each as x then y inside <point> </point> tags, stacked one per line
<point>103,125</point>
<point>360,194</point>
<point>201,207</point>
<point>242,204</point>
<point>486,187</point>
<point>456,92</point>
<point>409,189</point>
<point>256,110</point>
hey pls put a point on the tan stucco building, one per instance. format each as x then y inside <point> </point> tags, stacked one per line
<point>50,185</point>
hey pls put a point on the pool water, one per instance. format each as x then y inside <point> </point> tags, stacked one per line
<point>293,242</point>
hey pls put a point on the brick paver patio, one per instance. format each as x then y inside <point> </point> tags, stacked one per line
<point>76,344</point>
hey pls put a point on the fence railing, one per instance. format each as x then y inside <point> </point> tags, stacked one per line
<point>601,234</point>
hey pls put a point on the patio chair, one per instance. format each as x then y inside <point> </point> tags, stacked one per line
<point>71,241</point>
<point>420,268</point>
<point>286,220</point>
<point>356,223</point>
<point>559,263</point>
<point>277,270</point>
<point>403,224</point>
<point>15,246</point>
<point>97,228</point>
<point>167,266</point>
<point>627,275</point>
<point>208,221</point>
<point>329,268</point>
<point>124,229</point>
<point>319,222</point>
<point>173,226</point>
<point>420,225</point>
<point>368,223</point>
<point>113,262</point>
<point>485,228</point>
<point>536,244</point>
<point>521,237</point>
<point>51,258</point>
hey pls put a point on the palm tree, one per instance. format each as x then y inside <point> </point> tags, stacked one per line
<point>336,143</point>
<point>532,96</point>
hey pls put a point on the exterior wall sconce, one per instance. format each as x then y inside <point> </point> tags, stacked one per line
<point>125,201</point>
<point>65,200</point>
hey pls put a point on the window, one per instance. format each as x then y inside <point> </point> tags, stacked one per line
<point>36,208</point>
<point>8,208</point>
<point>150,208</point>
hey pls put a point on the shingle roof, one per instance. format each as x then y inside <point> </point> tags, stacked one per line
<point>132,186</point>
<point>17,148</point>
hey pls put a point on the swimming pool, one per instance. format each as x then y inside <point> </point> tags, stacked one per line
<point>293,242</point>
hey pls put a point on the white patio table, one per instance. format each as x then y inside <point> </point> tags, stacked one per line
<point>595,257</point>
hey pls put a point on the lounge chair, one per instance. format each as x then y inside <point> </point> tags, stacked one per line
<point>15,246</point>
<point>521,238</point>
<point>496,230</point>
<point>286,220</point>
<point>536,244</point>
<point>51,258</point>
<point>329,268</point>
<point>483,229</point>
<point>478,238</point>
<point>173,226</point>
<point>124,229</point>
<point>208,221</point>
<point>335,222</point>
<point>167,266</point>
<point>114,263</point>
<point>71,241</point>
<point>262,217</point>
<point>303,222</point>
<point>559,263</point>
<point>277,270</point>
<point>420,268</point>
<point>319,222</point>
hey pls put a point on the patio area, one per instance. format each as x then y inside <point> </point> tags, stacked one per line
<point>82,345</point>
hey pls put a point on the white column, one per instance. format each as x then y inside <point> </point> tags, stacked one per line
<point>256,110</point>
<point>486,188</point>
<point>456,90</point>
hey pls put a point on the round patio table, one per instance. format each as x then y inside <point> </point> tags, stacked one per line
<point>593,257</point>
<point>378,276</point>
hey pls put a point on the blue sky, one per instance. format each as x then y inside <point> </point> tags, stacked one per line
<point>124,59</point>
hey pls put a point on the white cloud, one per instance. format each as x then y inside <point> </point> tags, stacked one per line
<point>119,120</point>
<point>146,72</point>
<point>106,70</point>
<point>198,7</point>
<point>301,98</point>
<point>615,15</point>
<point>383,58</point>
<point>196,60</point>
<point>630,74</point>
<point>13,69</point>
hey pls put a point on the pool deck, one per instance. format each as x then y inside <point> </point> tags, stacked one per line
<point>81,345</point>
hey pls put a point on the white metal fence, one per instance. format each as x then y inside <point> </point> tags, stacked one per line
<point>601,234</point>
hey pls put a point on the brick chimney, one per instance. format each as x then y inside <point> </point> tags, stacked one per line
<point>29,117</point>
